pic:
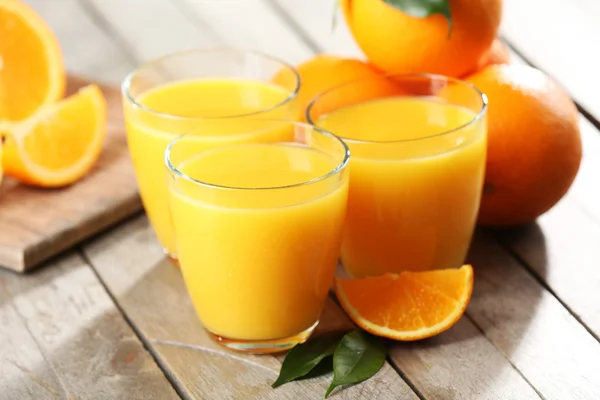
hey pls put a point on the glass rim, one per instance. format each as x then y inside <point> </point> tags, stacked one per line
<point>432,77</point>
<point>339,166</point>
<point>126,85</point>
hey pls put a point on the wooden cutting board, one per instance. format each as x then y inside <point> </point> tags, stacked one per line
<point>36,224</point>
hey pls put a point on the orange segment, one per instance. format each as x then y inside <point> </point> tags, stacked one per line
<point>407,306</point>
<point>61,143</point>
<point>31,66</point>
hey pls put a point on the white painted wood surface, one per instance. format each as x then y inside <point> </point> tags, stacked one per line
<point>518,341</point>
<point>578,290</point>
<point>88,50</point>
<point>63,337</point>
<point>250,24</point>
<point>150,28</point>
<point>560,37</point>
<point>315,19</point>
<point>151,292</point>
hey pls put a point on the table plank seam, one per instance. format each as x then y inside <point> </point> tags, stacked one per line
<point>405,378</point>
<point>319,49</point>
<point>531,271</point>
<point>294,26</point>
<point>514,367</point>
<point>196,19</point>
<point>582,110</point>
<point>63,387</point>
<point>300,31</point>
<point>106,28</point>
<point>134,329</point>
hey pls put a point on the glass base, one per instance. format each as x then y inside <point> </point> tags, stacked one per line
<point>263,346</point>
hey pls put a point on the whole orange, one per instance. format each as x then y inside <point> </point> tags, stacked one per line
<point>497,54</point>
<point>534,144</point>
<point>397,42</point>
<point>324,72</point>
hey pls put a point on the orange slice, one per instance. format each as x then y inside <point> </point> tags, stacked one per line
<point>61,143</point>
<point>407,306</point>
<point>31,66</point>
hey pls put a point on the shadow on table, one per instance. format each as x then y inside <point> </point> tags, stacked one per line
<point>506,294</point>
<point>65,339</point>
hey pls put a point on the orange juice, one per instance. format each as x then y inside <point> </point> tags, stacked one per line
<point>417,171</point>
<point>172,109</point>
<point>258,261</point>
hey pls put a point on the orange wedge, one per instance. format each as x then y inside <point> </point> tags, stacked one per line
<point>61,143</point>
<point>407,306</point>
<point>31,67</point>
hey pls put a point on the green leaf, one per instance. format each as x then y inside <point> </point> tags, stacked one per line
<point>423,8</point>
<point>322,368</point>
<point>358,357</point>
<point>303,358</point>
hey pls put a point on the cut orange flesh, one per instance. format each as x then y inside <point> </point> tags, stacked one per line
<point>31,67</point>
<point>407,306</point>
<point>61,143</point>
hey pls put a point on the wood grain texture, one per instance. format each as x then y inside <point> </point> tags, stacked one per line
<point>250,24</point>
<point>87,49</point>
<point>313,19</point>
<point>63,338</point>
<point>550,348</point>
<point>460,364</point>
<point>151,29</point>
<point>557,36</point>
<point>24,372</point>
<point>36,224</point>
<point>560,248</point>
<point>152,293</point>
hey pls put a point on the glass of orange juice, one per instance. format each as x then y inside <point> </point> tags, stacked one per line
<point>418,146</point>
<point>178,92</point>
<point>258,228</point>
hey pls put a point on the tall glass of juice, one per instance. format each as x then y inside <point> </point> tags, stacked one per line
<point>258,228</point>
<point>176,93</point>
<point>418,146</point>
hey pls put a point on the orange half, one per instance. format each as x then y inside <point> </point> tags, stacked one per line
<point>61,143</point>
<point>31,66</point>
<point>407,306</point>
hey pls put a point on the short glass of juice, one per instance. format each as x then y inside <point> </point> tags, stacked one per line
<point>258,228</point>
<point>418,146</point>
<point>178,92</point>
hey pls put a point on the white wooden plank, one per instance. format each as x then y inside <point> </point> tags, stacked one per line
<point>592,6</point>
<point>80,343</point>
<point>152,293</point>
<point>438,370</point>
<point>535,332</point>
<point>250,24</point>
<point>559,37</point>
<point>315,19</point>
<point>460,364</point>
<point>561,247</point>
<point>151,28</point>
<point>24,373</point>
<point>87,49</point>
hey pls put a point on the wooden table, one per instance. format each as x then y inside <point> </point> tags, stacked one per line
<point>111,319</point>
